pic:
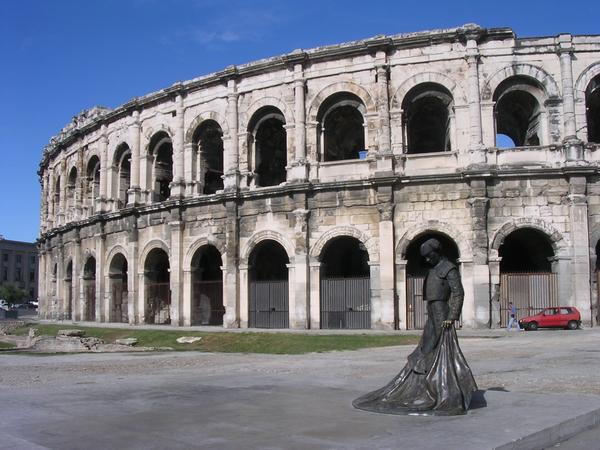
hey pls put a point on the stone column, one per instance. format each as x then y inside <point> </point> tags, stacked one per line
<point>187,312</point>
<point>580,264</point>
<point>376,304</point>
<point>103,147</point>
<point>60,278</point>
<point>386,265</point>
<point>384,157</point>
<point>479,205</point>
<point>76,306</point>
<point>178,183</point>
<point>232,173</point>
<point>298,167</point>
<point>231,280</point>
<point>565,52</point>
<point>299,310</point>
<point>133,194</point>
<point>191,178</point>
<point>133,312</point>
<point>176,227</point>
<point>476,148</point>
<point>51,206</point>
<point>102,304</point>
<point>62,196</point>
<point>573,147</point>
<point>401,292</point>
<point>315,294</point>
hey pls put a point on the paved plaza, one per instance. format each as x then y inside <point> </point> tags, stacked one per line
<point>536,388</point>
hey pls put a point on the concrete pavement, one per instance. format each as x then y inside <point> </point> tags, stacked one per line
<point>536,389</point>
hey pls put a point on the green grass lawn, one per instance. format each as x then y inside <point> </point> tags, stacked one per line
<point>274,343</point>
<point>5,345</point>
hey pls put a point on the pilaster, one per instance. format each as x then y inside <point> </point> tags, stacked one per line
<point>176,226</point>
<point>231,179</point>
<point>134,190</point>
<point>476,148</point>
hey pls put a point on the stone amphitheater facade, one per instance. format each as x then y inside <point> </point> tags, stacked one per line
<point>294,191</point>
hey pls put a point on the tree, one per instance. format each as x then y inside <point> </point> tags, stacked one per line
<point>12,294</point>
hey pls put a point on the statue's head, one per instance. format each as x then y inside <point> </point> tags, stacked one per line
<point>431,250</point>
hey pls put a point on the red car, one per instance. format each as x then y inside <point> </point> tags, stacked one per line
<point>555,317</point>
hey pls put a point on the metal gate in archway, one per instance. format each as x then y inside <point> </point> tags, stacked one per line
<point>416,308</point>
<point>119,298</point>
<point>530,292</point>
<point>90,303</point>
<point>346,303</point>
<point>158,303</point>
<point>268,304</point>
<point>207,299</point>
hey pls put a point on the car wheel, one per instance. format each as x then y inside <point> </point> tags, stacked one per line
<point>532,326</point>
<point>572,325</point>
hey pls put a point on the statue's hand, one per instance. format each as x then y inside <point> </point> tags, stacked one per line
<point>447,323</point>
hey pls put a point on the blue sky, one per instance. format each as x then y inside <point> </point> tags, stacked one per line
<point>62,56</point>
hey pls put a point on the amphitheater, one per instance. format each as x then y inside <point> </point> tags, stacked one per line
<point>295,191</point>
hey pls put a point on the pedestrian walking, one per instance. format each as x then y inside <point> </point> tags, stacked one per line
<point>512,310</point>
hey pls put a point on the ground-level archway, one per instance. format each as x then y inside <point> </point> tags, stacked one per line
<point>345,285</point>
<point>89,290</point>
<point>416,270</point>
<point>268,305</point>
<point>117,283</point>
<point>527,273</point>
<point>157,287</point>
<point>207,287</point>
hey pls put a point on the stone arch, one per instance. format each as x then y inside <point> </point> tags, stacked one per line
<point>199,243</point>
<point>260,236</point>
<point>369,242</point>
<point>149,132</point>
<point>340,86</point>
<point>464,248</point>
<point>559,244</point>
<point>265,101</point>
<point>428,77</point>
<point>151,245</point>
<point>536,73</point>
<point>113,151</point>
<point>584,79</point>
<point>87,254</point>
<point>114,250</point>
<point>203,116</point>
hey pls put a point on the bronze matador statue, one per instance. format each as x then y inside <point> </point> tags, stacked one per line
<point>436,379</point>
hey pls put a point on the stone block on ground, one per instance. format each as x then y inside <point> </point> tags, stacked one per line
<point>126,341</point>
<point>71,333</point>
<point>188,339</point>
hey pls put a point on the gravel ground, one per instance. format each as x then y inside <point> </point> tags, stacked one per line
<point>534,362</point>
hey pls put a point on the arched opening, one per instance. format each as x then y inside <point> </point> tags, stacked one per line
<point>427,118</point>
<point>341,127</point>
<point>268,146</point>
<point>268,286</point>
<point>92,189</point>
<point>122,170</point>
<point>592,110</point>
<point>518,111</point>
<point>208,156</point>
<point>207,287</point>
<point>526,273</point>
<point>416,271</point>
<point>158,288</point>
<point>161,148</point>
<point>89,289</point>
<point>68,313</point>
<point>54,279</point>
<point>117,279</point>
<point>345,285</point>
<point>71,191</point>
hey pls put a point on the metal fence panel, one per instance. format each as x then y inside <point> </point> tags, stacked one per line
<point>158,303</point>
<point>207,303</point>
<point>416,308</point>
<point>530,292</point>
<point>269,304</point>
<point>346,303</point>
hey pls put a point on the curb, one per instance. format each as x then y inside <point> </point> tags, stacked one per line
<point>557,433</point>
